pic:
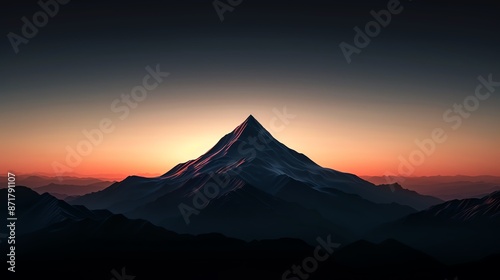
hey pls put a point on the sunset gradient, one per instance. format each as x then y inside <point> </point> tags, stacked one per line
<point>160,133</point>
<point>360,117</point>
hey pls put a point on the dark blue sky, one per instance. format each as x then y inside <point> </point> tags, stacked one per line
<point>435,45</point>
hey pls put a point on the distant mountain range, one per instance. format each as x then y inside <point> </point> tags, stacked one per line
<point>446,187</point>
<point>36,181</point>
<point>65,187</point>
<point>263,187</point>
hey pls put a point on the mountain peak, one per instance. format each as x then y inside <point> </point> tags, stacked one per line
<point>246,139</point>
<point>251,120</point>
<point>250,126</point>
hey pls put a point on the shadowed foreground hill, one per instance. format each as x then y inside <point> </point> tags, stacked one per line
<point>90,245</point>
<point>93,248</point>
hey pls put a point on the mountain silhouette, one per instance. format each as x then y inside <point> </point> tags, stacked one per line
<point>253,149</point>
<point>250,173</point>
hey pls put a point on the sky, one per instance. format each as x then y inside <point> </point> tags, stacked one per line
<point>266,58</point>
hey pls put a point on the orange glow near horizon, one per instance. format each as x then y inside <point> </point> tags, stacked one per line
<point>336,134</point>
<point>155,150</point>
